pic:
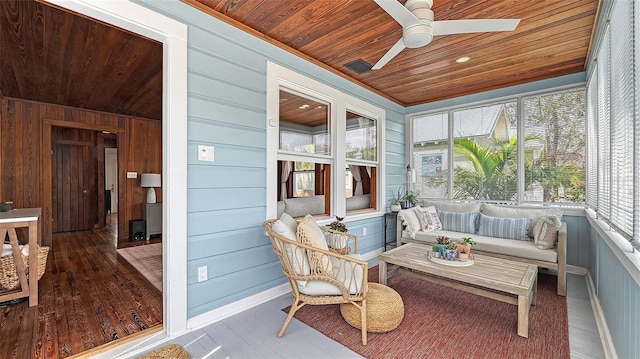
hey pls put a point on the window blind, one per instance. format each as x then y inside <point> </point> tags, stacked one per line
<point>622,126</point>
<point>592,140</point>
<point>604,137</point>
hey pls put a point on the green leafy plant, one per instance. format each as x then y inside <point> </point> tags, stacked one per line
<point>451,245</point>
<point>396,197</point>
<point>411,198</point>
<point>435,249</point>
<point>467,241</point>
<point>337,225</point>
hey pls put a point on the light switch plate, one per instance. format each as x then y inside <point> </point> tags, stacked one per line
<point>132,174</point>
<point>202,274</point>
<point>205,153</point>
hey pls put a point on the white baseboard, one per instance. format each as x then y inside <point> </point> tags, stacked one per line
<point>239,306</point>
<point>601,322</point>
<point>576,270</point>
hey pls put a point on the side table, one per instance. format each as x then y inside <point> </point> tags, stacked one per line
<point>389,216</point>
<point>9,221</point>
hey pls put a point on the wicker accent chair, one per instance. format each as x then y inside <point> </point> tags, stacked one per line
<point>319,277</point>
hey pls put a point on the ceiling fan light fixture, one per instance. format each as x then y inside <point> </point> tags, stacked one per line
<point>463,59</point>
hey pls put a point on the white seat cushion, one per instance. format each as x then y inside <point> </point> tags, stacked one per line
<point>511,247</point>
<point>348,273</point>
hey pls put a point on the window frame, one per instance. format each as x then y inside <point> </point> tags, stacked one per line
<point>518,98</point>
<point>280,77</point>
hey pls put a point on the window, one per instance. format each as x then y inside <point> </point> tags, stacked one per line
<point>321,143</point>
<point>431,154</point>
<point>554,145</point>
<point>527,149</point>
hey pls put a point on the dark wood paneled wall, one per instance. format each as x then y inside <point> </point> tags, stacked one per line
<point>25,172</point>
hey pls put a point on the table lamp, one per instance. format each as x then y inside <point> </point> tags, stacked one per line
<point>151,180</point>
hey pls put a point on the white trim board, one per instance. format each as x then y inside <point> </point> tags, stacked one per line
<point>173,35</point>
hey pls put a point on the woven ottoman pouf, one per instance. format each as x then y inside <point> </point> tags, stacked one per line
<point>385,310</point>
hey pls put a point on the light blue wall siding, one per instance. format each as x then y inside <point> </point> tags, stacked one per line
<point>227,109</point>
<point>619,295</point>
<point>577,240</point>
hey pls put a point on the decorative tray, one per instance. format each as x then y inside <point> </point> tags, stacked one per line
<point>455,263</point>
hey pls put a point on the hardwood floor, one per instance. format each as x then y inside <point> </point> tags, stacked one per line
<point>88,296</point>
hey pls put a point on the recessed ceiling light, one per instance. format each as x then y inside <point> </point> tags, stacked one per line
<point>302,107</point>
<point>463,59</point>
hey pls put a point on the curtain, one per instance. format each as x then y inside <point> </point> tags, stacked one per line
<point>355,171</point>
<point>287,167</point>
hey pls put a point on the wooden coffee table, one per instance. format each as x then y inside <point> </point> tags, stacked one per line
<point>486,276</point>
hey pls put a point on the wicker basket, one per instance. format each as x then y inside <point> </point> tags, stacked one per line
<point>9,279</point>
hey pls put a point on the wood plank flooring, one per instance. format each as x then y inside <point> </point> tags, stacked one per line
<point>88,296</point>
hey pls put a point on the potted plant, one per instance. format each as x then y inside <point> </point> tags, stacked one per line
<point>463,256</point>
<point>338,242</point>
<point>395,201</point>
<point>435,251</point>
<point>466,244</point>
<point>450,251</point>
<point>410,200</point>
<point>442,240</point>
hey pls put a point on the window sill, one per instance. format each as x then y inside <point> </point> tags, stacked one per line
<point>620,247</point>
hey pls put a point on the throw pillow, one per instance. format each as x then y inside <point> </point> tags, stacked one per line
<point>494,210</point>
<point>410,221</point>
<point>429,220</point>
<point>545,232</point>
<point>289,222</point>
<point>510,228</point>
<point>310,233</point>
<point>458,222</point>
<point>296,255</point>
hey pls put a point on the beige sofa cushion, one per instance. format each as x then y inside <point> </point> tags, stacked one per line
<point>514,248</point>
<point>517,212</point>
<point>300,206</point>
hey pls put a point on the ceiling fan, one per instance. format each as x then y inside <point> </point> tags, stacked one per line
<point>418,27</point>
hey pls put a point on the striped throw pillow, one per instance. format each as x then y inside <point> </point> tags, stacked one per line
<point>510,228</point>
<point>458,222</point>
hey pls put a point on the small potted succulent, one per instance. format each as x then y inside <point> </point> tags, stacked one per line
<point>465,245</point>
<point>338,242</point>
<point>450,251</point>
<point>396,198</point>
<point>435,251</point>
<point>463,256</point>
<point>442,240</point>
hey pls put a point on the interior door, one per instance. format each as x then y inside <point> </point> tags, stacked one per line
<point>75,188</point>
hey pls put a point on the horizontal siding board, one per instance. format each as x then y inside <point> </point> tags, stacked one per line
<point>223,90</point>
<point>204,109</point>
<point>222,176</point>
<point>230,134</point>
<point>208,41</point>
<point>211,199</point>
<point>224,286</point>
<point>229,263</point>
<point>222,221</point>
<point>207,63</point>
<point>226,155</point>
<point>214,244</point>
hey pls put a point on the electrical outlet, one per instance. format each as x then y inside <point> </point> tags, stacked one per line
<point>364,231</point>
<point>202,274</point>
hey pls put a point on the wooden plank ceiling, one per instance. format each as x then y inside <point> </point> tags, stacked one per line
<point>552,39</point>
<point>50,55</point>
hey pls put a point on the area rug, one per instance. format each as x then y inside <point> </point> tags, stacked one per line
<point>146,259</point>
<point>441,322</point>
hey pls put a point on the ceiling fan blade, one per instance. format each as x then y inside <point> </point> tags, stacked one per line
<point>450,27</point>
<point>398,12</point>
<point>393,51</point>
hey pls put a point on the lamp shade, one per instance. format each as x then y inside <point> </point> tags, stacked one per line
<point>151,180</point>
